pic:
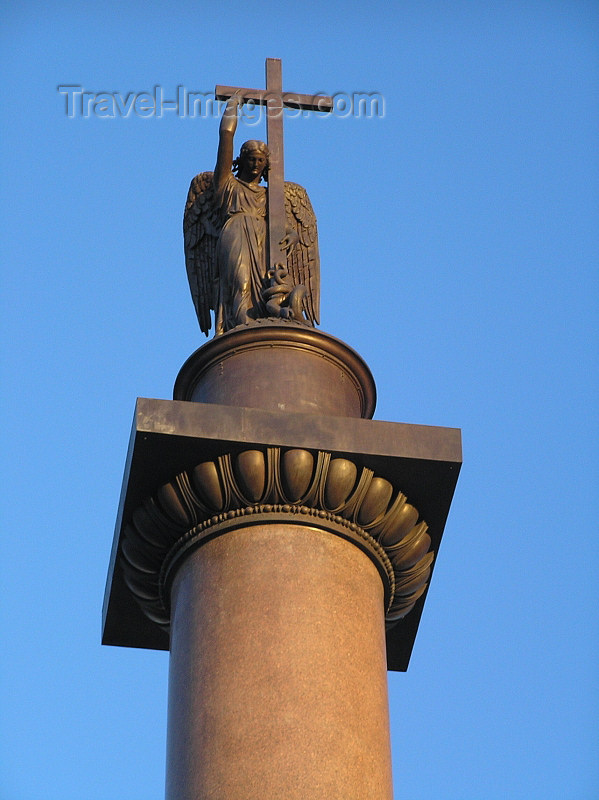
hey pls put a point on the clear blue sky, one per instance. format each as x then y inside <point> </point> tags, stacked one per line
<point>459,241</point>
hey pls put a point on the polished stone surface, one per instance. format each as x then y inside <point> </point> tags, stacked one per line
<point>278,685</point>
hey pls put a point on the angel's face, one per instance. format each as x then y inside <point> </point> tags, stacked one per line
<point>251,166</point>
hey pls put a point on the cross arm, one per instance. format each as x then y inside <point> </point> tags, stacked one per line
<point>305,102</point>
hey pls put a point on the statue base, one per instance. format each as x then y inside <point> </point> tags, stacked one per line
<point>279,367</point>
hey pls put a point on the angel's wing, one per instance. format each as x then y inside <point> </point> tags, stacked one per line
<point>200,235</point>
<point>303,261</point>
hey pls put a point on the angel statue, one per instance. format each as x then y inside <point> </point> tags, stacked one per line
<point>225,235</point>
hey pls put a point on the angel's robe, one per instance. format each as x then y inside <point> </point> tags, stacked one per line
<point>240,253</point>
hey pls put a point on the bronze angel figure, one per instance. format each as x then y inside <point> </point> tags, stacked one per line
<point>224,228</point>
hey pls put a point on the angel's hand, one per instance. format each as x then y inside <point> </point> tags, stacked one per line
<point>232,103</point>
<point>228,122</point>
<point>289,240</point>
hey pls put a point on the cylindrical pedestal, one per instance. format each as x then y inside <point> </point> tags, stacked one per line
<point>278,685</point>
<point>279,368</point>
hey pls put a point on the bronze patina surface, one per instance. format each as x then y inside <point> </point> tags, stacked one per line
<point>252,252</point>
<point>275,101</point>
<point>170,437</point>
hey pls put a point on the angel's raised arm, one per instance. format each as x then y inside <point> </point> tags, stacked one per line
<point>228,126</point>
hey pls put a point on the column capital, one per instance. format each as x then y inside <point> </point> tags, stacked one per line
<point>196,471</point>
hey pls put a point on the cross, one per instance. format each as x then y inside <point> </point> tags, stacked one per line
<point>273,98</point>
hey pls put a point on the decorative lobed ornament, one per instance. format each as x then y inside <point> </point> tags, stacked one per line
<point>295,485</point>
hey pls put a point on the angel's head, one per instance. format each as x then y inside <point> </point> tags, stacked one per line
<point>252,163</point>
